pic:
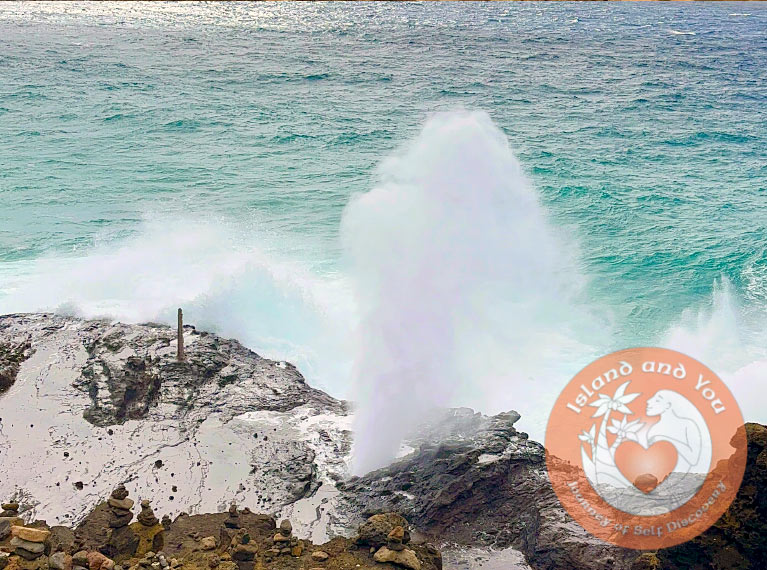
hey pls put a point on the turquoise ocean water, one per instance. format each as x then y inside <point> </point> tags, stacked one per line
<point>157,155</point>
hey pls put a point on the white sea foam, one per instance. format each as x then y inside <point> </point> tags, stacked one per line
<point>466,292</point>
<point>674,32</point>
<point>223,283</point>
<point>732,341</point>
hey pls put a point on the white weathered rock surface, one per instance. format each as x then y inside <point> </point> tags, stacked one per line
<point>98,403</point>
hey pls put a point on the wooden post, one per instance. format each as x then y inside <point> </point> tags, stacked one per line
<point>180,348</point>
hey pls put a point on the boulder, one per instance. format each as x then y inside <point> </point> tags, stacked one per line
<point>151,538</point>
<point>405,558</point>
<point>122,544</point>
<point>208,543</point>
<point>375,531</point>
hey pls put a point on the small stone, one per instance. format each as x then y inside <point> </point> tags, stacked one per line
<point>124,504</point>
<point>26,554</point>
<point>286,529</point>
<point>166,522</point>
<point>397,534</point>
<point>405,558</point>
<point>10,510</point>
<point>96,560</point>
<point>208,543</point>
<point>214,561</point>
<point>320,555</point>
<point>30,534</point>
<point>120,493</point>
<point>60,561</point>
<point>280,538</point>
<point>297,550</point>
<point>33,547</point>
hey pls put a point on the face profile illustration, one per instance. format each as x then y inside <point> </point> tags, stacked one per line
<point>682,425</point>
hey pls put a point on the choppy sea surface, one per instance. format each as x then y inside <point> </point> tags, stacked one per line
<point>204,155</point>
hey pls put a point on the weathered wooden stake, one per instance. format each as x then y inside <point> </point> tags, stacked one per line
<point>180,348</point>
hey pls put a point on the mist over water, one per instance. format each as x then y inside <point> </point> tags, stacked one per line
<point>459,278</point>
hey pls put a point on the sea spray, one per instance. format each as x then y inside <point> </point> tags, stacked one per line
<point>224,277</point>
<point>732,339</point>
<point>460,282</point>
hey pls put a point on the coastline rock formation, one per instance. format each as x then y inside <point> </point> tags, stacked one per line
<point>115,413</point>
<point>249,545</point>
<point>112,405</point>
<point>485,486</point>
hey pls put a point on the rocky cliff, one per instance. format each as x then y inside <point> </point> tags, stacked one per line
<point>95,403</point>
<point>91,405</point>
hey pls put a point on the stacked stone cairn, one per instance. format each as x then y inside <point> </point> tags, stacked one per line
<point>284,541</point>
<point>244,550</point>
<point>146,517</point>
<point>165,522</point>
<point>120,508</point>
<point>234,517</point>
<point>396,552</point>
<point>150,532</point>
<point>122,540</point>
<point>29,543</point>
<point>8,518</point>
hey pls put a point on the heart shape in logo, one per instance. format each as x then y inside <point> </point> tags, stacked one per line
<point>646,468</point>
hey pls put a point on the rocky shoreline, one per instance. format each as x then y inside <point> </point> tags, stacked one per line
<point>235,540</point>
<point>95,409</point>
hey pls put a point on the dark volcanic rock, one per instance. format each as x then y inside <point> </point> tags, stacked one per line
<point>13,352</point>
<point>738,540</point>
<point>484,486</point>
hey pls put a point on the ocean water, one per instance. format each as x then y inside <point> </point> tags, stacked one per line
<point>612,192</point>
